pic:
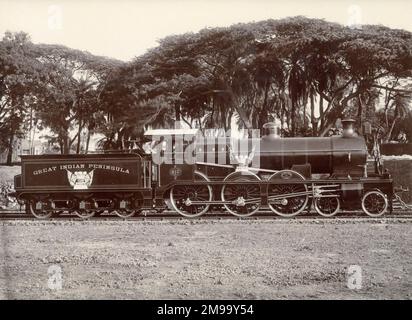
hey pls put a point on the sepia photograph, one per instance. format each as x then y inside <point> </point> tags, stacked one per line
<point>205,155</point>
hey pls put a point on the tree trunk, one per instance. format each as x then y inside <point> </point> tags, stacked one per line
<point>293,119</point>
<point>66,143</point>
<point>282,119</point>
<point>79,137</point>
<point>388,136</point>
<point>312,116</point>
<point>87,141</point>
<point>360,109</point>
<point>66,148</point>
<point>287,113</point>
<point>304,115</point>
<point>10,150</point>
<point>243,116</point>
<point>177,112</point>
<point>212,115</point>
<point>263,116</point>
<point>121,139</point>
<point>321,113</point>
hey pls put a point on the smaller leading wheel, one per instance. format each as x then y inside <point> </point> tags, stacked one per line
<point>374,203</point>
<point>327,206</point>
<point>41,209</point>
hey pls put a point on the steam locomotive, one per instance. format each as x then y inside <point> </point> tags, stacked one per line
<point>286,175</point>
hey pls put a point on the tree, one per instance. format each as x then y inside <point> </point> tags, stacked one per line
<point>71,97</point>
<point>308,73</point>
<point>19,84</point>
<point>275,69</point>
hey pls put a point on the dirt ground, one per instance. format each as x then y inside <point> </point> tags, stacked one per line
<point>227,259</point>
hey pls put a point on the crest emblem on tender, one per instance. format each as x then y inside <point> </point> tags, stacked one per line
<point>80,180</point>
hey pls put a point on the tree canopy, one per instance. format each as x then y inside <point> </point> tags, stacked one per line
<point>306,73</point>
<point>275,69</point>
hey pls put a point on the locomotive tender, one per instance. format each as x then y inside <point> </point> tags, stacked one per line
<point>291,175</point>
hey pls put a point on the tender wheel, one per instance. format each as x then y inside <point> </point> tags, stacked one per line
<point>374,203</point>
<point>85,208</point>
<point>41,209</point>
<point>283,202</point>
<point>327,206</point>
<point>128,207</point>
<point>241,193</point>
<point>181,197</point>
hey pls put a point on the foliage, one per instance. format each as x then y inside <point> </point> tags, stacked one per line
<point>306,73</point>
<point>258,72</point>
<point>49,86</point>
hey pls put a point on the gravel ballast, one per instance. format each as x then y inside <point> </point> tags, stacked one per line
<point>228,259</point>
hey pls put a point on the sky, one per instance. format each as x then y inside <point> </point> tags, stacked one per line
<point>124,29</point>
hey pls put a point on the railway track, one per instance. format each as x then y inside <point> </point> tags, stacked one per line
<point>170,215</point>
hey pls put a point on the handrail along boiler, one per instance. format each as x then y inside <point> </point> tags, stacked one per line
<point>294,174</point>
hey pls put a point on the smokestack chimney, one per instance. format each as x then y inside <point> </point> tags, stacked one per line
<point>348,130</point>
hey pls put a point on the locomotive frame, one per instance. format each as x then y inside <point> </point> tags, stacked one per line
<point>308,191</point>
<point>126,184</point>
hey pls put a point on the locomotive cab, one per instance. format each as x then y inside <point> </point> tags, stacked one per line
<point>172,153</point>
